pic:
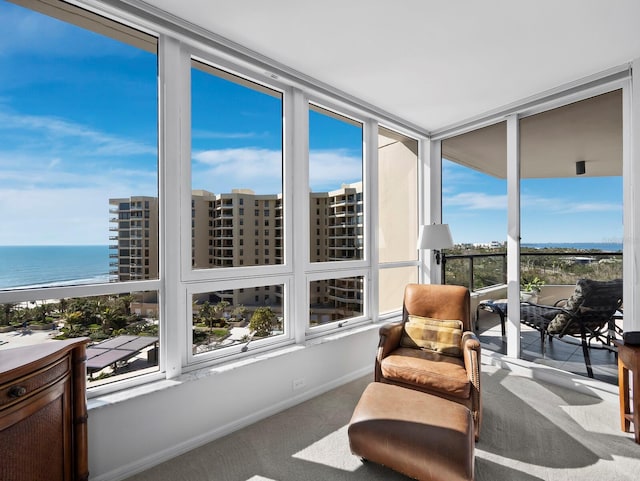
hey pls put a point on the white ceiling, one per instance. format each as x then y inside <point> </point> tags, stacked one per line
<point>432,63</point>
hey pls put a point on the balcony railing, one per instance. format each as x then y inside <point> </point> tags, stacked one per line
<point>478,271</point>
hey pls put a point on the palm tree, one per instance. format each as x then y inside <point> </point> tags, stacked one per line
<point>7,309</point>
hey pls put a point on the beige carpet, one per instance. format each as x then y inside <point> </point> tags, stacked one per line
<point>531,431</point>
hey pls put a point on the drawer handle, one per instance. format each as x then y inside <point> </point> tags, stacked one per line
<point>17,391</point>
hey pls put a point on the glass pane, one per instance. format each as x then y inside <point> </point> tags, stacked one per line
<point>124,330</point>
<point>334,300</point>
<point>474,204</point>
<point>391,288</point>
<point>335,179</point>
<point>236,175</point>
<point>571,225</point>
<point>571,208</point>
<point>78,129</point>
<point>236,317</point>
<point>397,196</point>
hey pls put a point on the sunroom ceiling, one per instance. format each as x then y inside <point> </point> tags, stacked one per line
<point>432,63</point>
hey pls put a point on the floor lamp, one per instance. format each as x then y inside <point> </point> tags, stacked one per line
<point>435,237</point>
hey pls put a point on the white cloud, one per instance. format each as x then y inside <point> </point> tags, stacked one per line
<point>206,134</point>
<point>566,205</point>
<point>476,201</point>
<point>261,169</point>
<point>91,142</point>
<point>329,169</point>
<point>254,168</point>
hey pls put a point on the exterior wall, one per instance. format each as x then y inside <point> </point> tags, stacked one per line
<point>201,228</point>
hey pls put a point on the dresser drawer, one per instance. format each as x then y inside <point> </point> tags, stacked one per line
<point>22,388</point>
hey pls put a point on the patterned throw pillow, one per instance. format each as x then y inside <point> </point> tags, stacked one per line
<point>558,323</point>
<point>443,336</point>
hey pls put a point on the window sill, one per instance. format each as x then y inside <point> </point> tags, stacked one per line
<point>198,373</point>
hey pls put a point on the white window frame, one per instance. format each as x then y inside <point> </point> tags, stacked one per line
<point>178,43</point>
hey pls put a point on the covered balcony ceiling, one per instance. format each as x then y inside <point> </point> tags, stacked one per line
<point>550,142</point>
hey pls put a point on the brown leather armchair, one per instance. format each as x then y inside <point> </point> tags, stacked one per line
<point>452,377</point>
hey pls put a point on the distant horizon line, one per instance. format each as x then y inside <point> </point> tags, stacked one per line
<point>455,243</point>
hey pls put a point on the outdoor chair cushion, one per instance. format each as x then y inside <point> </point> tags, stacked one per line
<point>589,297</point>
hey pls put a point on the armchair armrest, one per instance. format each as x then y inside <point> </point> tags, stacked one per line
<point>390,335</point>
<point>471,352</point>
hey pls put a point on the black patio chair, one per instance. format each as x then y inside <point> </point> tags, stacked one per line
<point>589,314</point>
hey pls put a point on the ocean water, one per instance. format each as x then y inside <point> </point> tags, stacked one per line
<point>43,266</point>
<point>602,246</point>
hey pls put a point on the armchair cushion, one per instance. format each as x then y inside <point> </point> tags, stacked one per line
<point>427,369</point>
<point>443,336</point>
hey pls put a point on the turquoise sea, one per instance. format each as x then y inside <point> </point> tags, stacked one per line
<point>602,246</point>
<point>42,266</point>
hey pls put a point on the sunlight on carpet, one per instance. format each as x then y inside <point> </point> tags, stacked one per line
<point>323,452</point>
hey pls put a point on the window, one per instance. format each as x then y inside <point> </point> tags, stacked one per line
<point>236,145</point>
<point>90,115</point>
<point>335,172</point>
<point>231,319</point>
<point>397,165</point>
<point>333,300</point>
<point>81,143</point>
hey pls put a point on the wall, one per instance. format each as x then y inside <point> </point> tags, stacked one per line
<point>141,427</point>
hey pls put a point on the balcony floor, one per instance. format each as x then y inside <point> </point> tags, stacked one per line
<point>559,354</point>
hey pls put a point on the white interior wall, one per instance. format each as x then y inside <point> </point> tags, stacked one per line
<point>131,432</point>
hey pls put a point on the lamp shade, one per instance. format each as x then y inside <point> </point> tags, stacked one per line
<point>435,236</point>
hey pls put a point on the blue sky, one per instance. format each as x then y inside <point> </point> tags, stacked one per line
<point>78,125</point>
<point>577,209</point>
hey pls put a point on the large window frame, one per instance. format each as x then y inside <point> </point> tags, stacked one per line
<point>177,281</point>
<point>144,37</point>
<point>596,85</point>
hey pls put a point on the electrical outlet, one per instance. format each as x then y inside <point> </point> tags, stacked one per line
<point>298,384</point>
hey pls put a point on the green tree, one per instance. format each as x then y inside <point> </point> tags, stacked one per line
<point>238,312</point>
<point>262,322</point>
<point>219,310</point>
<point>7,310</point>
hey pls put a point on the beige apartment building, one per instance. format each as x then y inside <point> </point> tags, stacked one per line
<point>134,226</point>
<point>242,228</point>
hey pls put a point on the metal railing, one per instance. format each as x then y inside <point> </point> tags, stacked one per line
<point>477,271</point>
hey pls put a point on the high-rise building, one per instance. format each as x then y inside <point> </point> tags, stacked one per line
<point>242,228</point>
<point>135,227</point>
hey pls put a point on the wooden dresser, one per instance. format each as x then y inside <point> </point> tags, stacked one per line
<point>43,412</point>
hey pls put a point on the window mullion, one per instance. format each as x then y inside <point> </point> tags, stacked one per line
<point>173,66</point>
<point>298,127</point>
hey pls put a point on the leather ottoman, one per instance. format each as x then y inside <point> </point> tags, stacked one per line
<point>417,434</point>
